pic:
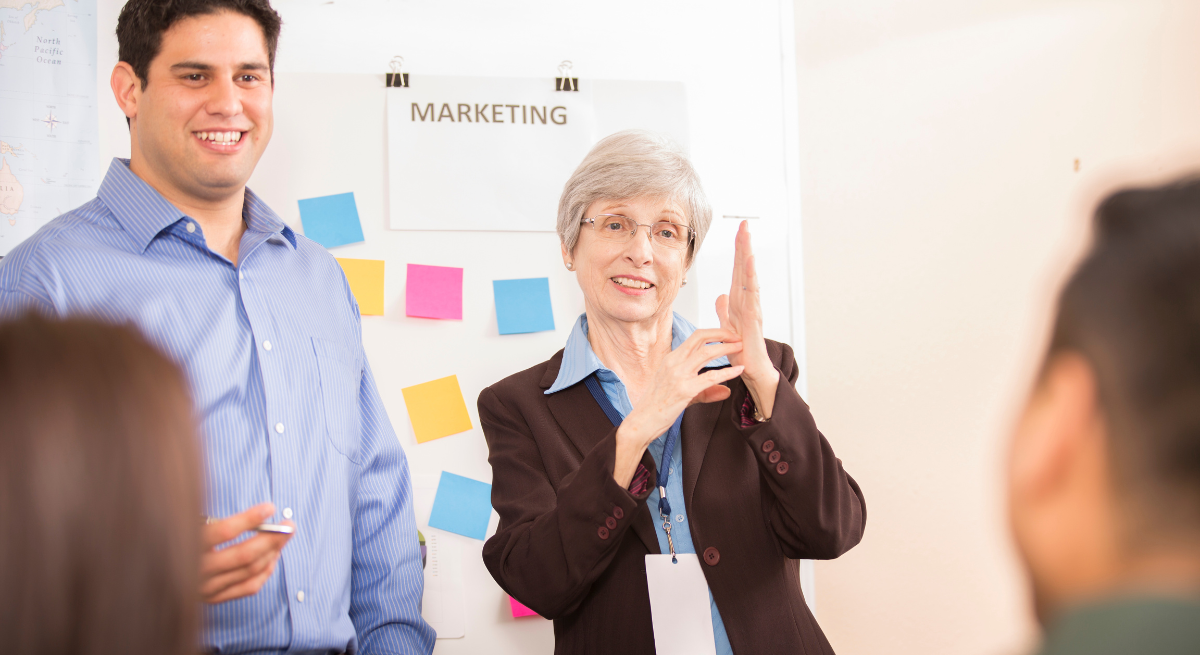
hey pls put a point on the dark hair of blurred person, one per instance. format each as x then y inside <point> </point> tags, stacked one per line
<point>1104,476</point>
<point>100,530</point>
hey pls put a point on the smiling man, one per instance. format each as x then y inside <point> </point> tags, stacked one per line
<point>263,320</point>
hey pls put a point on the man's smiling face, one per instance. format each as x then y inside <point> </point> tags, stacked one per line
<point>203,119</point>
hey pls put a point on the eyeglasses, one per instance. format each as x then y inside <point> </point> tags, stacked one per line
<point>614,227</point>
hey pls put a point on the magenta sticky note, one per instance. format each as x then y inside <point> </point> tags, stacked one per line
<point>519,610</point>
<point>433,292</point>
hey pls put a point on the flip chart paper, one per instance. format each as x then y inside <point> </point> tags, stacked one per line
<point>523,305</point>
<point>442,604</point>
<point>463,506</point>
<point>433,292</point>
<point>366,283</point>
<point>331,220</point>
<point>519,610</point>
<point>436,409</point>
<point>679,606</point>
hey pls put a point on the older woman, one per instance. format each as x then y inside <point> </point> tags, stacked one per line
<point>640,402</point>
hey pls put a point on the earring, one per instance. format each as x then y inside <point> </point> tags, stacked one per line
<point>570,266</point>
<point>684,282</point>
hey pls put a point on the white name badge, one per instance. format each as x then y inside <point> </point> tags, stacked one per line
<point>679,606</point>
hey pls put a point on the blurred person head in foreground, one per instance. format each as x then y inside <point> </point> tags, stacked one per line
<point>1104,473</point>
<point>100,531</point>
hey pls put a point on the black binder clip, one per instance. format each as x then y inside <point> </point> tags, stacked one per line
<point>564,83</point>
<point>396,79</point>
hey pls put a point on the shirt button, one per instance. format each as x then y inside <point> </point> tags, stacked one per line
<point>287,512</point>
<point>267,345</point>
<point>671,471</point>
<point>300,596</point>
<point>602,532</point>
<point>618,512</point>
<point>610,522</point>
<point>774,456</point>
<point>712,556</point>
<point>241,276</point>
<point>191,227</point>
<point>768,446</point>
<point>679,518</point>
<point>279,428</point>
<point>781,468</point>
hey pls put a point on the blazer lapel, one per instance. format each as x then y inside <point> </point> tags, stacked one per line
<point>585,424</point>
<point>699,422</point>
<point>579,416</point>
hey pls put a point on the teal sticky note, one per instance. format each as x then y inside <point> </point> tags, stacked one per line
<point>523,305</point>
<point>462,506</point>
<point>331,220</point>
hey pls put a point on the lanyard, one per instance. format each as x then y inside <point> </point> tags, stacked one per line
<point>664,505</point>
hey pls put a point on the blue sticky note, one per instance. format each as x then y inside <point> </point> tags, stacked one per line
<point>331,220</point>
<point>523,305</point>
<point>462,506</point>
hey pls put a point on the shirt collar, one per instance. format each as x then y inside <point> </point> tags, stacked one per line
<point>580,361</point>
<point>143,212</point>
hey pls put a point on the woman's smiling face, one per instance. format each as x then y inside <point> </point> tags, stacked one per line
<point>635,280</point>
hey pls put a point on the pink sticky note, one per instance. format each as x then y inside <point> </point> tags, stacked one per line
<point>519,610</point>
<point>433,292</point>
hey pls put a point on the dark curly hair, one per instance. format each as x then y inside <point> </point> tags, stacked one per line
<point>142,23</point>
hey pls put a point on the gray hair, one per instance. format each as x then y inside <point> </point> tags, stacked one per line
<point>634,164</point>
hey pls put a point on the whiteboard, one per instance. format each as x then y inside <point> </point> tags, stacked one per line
<point>736,61</point>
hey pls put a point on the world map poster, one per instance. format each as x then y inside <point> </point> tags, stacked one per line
<point>49,151</point>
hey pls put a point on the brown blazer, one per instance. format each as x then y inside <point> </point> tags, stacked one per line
<point>751,518</point>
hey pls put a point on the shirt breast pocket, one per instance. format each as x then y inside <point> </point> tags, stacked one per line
<point>341,375</point>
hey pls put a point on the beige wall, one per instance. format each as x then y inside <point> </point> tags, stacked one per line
<point>940,205</point>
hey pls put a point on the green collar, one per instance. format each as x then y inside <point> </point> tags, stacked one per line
<point>1128,626</point>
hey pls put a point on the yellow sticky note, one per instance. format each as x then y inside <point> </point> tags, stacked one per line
<point>436,409</point>
<point>366,283</point>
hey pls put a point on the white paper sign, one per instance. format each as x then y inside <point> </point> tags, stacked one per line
<point>679,606</point>
<point>483,153</point>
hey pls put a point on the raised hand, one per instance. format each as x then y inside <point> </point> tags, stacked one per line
<point>677,384</point>
<point>740,312</point>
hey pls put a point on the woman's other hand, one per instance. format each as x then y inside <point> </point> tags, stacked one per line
<point>677,384</point>
<point>741,313</point>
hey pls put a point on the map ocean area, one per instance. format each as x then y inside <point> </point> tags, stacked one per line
<point>49,151</point>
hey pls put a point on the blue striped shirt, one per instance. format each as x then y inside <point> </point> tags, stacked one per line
<point>580,361</point>
<point>289,410</point>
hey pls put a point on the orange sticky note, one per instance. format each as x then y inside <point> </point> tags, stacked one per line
<point>366,283</point>
<point>437,409</point>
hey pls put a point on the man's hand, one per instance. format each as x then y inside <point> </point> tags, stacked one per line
<point>240,570</point>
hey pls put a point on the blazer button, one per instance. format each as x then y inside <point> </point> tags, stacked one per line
<point>602,532</point>
<point>610,522</point>
<point>781,468</point>
<point>618,512</point>
<point>712,556</point>
<point>768,446</point>
<point>774,457</point>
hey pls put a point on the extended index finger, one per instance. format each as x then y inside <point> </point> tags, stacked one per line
<point>222,530</point>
